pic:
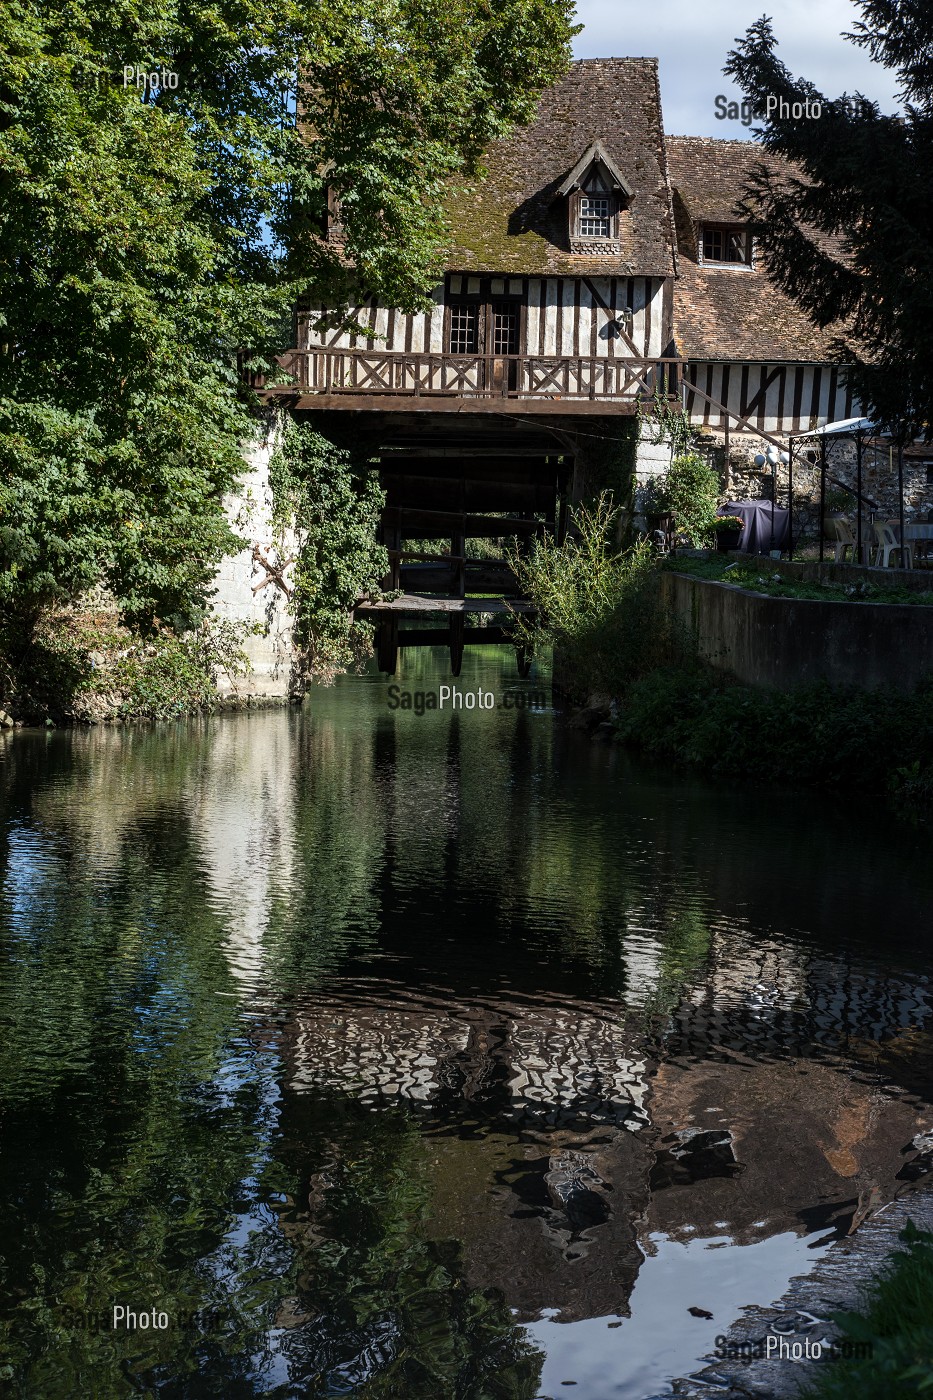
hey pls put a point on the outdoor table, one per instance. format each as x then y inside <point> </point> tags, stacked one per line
<point>920,533</point>
<point>757,538</point>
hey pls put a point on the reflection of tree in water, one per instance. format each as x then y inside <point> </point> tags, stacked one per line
<point>380,1305</point>
<point>490,867</point>
<point>133,1120</point>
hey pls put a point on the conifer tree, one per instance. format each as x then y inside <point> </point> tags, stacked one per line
<point>849,236</point>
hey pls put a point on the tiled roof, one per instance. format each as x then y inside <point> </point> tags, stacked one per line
<point>510,222</point>
<point>728,313</point>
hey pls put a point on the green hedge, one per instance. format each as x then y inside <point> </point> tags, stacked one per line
<point>817,735</point>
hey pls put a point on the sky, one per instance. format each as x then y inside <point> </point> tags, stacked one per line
<point>691,39</point>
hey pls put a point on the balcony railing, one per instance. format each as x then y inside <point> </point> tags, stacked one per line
<point>397,373</point>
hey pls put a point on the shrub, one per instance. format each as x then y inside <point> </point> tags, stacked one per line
<point>816,735</point>
<point>895,1327</point>
<point>599,607</point>
<point>690,491</point>
<point>335,501</point>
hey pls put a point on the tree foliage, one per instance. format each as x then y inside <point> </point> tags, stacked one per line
<point>848,236</point>
<point>148,232</point>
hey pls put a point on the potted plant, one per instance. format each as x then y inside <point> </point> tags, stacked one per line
<point>728,532</point>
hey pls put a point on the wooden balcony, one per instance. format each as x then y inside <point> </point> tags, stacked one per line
<point>334,378</point>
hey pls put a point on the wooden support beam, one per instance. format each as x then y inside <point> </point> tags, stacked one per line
<point>418,604</point>
<point>542,407</point>
<point>411,520</point>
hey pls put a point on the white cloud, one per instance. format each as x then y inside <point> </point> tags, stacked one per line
<point>691,39</point>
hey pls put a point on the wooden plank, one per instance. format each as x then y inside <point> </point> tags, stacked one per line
<point>412,519</point>
<point>420,603</point>
<point>411,637</point>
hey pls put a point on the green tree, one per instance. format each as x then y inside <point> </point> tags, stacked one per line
<point>149,230</point>
<point>846,231</point>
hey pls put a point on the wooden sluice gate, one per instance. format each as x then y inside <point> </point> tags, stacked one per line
<point>391,637</point>
<point>443,489</point>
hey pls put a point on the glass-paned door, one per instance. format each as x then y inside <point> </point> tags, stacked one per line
<point>503,340</point>
<point>506,320</point>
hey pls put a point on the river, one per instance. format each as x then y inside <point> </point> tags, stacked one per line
<point>362,1051</point>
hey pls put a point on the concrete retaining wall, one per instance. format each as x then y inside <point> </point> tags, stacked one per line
<point>788,642</point>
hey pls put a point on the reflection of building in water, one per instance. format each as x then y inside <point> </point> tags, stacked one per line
<point>750,1149</point>
<point>777,999</point>
<point>761,1119</point>
<point>545,1066</point>
<point>776,1051</point>
<point>526,1108</point>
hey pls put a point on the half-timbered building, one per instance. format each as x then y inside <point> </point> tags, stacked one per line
<point>595,260</point>
<point>759,364</point>
<point>595,263</point>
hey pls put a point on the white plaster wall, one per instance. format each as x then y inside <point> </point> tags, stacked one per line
<point>245,591</point>
<point>651,459</point>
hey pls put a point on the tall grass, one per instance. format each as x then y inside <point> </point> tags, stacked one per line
<point>895,1327</point>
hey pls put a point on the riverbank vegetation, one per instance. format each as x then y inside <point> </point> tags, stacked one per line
<point>614,639</point>
<point>331,498</point>
<point>895,1325</point>
<point>82,664</point>
<point>600,606</point>
<point>879,741</point>
<point>164,182</point>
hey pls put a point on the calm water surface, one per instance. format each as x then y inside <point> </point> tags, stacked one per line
<point>414,1057</point>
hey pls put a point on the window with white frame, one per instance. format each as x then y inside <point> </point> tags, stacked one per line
<point>595,216</point>
<point>730,244</point>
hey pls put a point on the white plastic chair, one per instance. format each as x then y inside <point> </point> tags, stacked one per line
<point>889,542</point>
<point>841,531</point>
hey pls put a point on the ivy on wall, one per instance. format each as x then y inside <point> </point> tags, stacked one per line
<point>332,498</point>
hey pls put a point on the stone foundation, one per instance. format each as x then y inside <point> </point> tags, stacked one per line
<point>253,587</point>
<point>783,643</point>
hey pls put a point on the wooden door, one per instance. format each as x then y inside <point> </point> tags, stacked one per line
<point>503,329</point>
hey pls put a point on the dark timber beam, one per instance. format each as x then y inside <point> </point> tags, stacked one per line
<point>410,520</point>
<point>468,407</point>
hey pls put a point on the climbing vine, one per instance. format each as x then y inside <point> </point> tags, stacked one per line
<point>332,498</point>
<point>663,421</point>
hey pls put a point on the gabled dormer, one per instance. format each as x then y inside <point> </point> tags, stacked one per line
<point>596,192</point>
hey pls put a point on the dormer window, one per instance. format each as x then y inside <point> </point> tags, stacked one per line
<point>727,244</point>
<point>596,193</point>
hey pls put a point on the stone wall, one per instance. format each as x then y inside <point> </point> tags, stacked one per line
<point>252,587</point>
<point>787,642</point>
<point>743,481</point>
